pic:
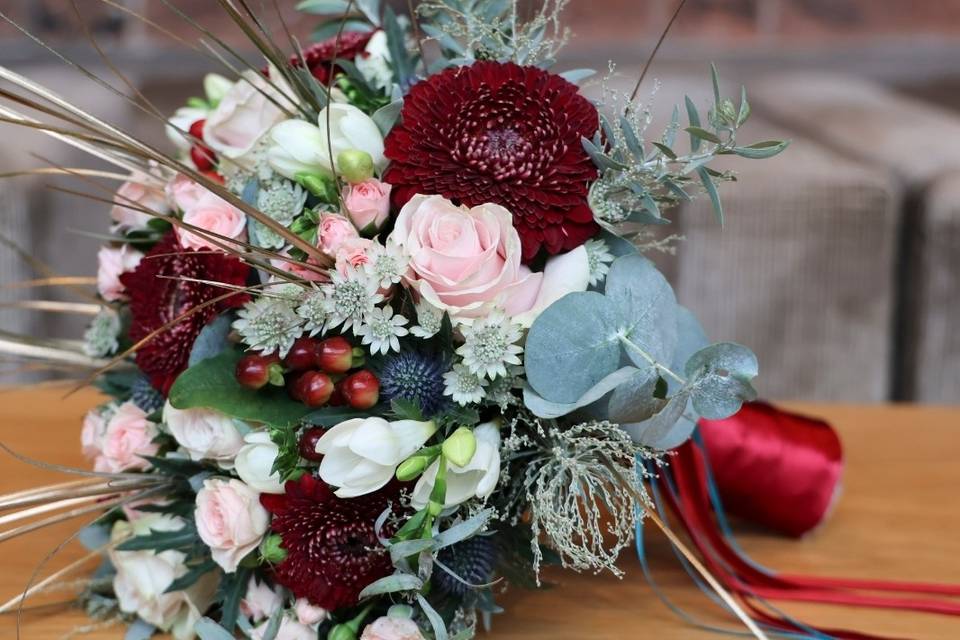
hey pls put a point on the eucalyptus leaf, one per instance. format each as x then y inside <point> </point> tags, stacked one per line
<point>370,9</point>
<point>392,584</point>
<point>212,339</point>
<point>212,384</point>
<point>634,399</point>
<point>703,134</point>
<point>463,530</point>
<point>694,117</point>
<point>744,111</point>
<point>386,116</point>
<point>406,548</point>
<point>631,138</point>
<point>576,75</point>
<point>656,428</point>
<point>762,150</point>
<point>719,377</point>
<point>139,629</point>
<point>711,189</point>
<point>439,628</point>
<point>665,150</point>
<point>323,7</point>
<point>207,629</point>
<point>601,160</point>
<point>543,408</point>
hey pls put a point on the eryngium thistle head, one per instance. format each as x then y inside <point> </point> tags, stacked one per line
<point>472,560</point>
<point>414,377</point>
<point>145,396</point>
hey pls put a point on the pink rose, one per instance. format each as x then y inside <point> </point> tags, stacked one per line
<point>132,194</point>
<point>212,213</point>
<point>309,614</point>
<point>367,204</point>
<point>91,435</point>
<point>300,270</point>
<point>260,601</point>
<point>128,436</point>
<point>466,261</point>
<point>353,253</point>
<point>244,115</point>
<point>230,520</point>
<point>111,264</point>
<point>385,628</point>
<point>333,231</point>
<point>183,193</point>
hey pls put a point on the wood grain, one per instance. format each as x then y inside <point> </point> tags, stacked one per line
<point>898,517</point>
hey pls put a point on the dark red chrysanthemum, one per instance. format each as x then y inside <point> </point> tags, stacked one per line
<point>332,547</point>
<point>501,133</point>
<point>157,296</point>
<point>318,56</point>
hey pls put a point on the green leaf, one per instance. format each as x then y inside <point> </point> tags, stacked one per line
<point>744,112</point>
<point>439,627</point>
<point>576,75</point>
<point>392,584</point>
<point>406,409</point>
<point>694,118</point>
<point>703,134</point>
<point>323,7</point>
<point>162,540</point>
<point>543,408</point>
<point>711,189</point>
<point>211,384</point>
<point>386,116</point>
<point>715,78</point>
<point>665,150</point>
<point>635,400</point>
<point>463,530</point>
<point>601,160</point>
<point>762,150</point>
<point>212,339</point>
<point>177,467</point>
<point>718,379</point>
<point>207,629</point>
<point>193,574</point>
<point>330,28</point>
<point>396,45</point>
<point>370,9</point>
<point>233,587</point>
<point>630,137</point>
<point>330,416</point>
<point>653,430</point>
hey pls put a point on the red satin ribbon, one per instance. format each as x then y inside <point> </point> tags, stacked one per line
<point>780,470</point>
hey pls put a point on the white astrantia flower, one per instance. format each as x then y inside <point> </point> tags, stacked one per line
<point>429,319</point>
<point>100,338</point>
<point>490,345</point>
<point>599,259</point>
<point>282,200</point>
<point>463,386</point>
<point>269,325</point>
<point>349,298</point>
<point>381,329</point>
<point>387,264</point>
<point>313,310</point>
<point>283,290</point>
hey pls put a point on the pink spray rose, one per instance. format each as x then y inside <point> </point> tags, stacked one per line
<point>467,260</point>
<point>132,194</point>
<point>230,520</point>
<point>385,628</point>
<point>91,435</point>
<point>111,264</point>
<point>260,601</point>
<point>299,269</point>
<point>212,213</point>
<point>309,614</point>
<point>333,231</point>
<point>367,204</point>
<point>355,253</point>
<point>128,435</point>
<point>183,193</point>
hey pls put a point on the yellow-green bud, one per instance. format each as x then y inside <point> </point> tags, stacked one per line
<point>319,185</point>
<point>460,446</point>
<point>355,165</point>
<point>342,632</point>
<point>412,467</point>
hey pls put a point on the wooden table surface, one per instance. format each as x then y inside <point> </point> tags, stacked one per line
<point>898,517</point>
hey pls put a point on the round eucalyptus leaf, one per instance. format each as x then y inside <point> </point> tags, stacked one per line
<point>634,400</point>
<point>543,408</point>
<point>718,379</point>
<point>658,427</point>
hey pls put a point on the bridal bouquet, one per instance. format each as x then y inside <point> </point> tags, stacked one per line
<point>396,340</point>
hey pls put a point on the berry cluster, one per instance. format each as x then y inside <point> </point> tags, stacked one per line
<point>315,372</point>
<point>203,156</point>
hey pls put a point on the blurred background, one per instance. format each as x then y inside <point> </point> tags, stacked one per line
<point>840,260</point>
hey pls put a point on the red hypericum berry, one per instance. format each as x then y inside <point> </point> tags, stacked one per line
<point>214,176</point>
<point>308,443</point>
<point>302,355</point>
<point>203,158</point>
<point>361,390</point>
<point>254,370</point>
<point>196,129</point>
<point>335,355</point>
<point>313,388</point>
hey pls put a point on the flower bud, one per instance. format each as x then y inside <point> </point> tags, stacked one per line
<point>342,632</point>
<point>271,549</point>
<point>412,467</point>
<point>460,446</point>
<point>355,165</point>
<point>318,184</point>
<point>215,87</point>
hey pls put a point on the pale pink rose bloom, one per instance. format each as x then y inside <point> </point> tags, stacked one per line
<point>289,630</point>
<point>212,213</point>
<point>135,193</point>
<point>299,270</point>
<point>309,614</point>
<point>260,601</point>
<point>111,264</point>
<point>91,435</point>
<point>367,204</point>
<point>333,231</point>
<point>385,628</point>
<point>183,193</point>
<point>230,520</point>
<point>353,253</point>
<point>243,116</point>
<point>127,436</point>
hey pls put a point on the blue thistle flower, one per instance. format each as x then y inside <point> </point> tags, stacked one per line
<point>414,377</point>
<point>472,560</point>
<point>145,396</point>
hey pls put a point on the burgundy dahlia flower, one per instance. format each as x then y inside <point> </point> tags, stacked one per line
<point>158,294</point>
<point>332,547</point>
<point>318,56</point>
<point>502,133</point>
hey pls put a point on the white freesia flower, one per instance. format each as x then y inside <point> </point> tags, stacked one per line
<point>362,454</point>
<point>351,128</point>
<point>143,577</point>
<point>255,460</point>
<point>375,65</point>
<point>205,434</point>
<point>245,114</point>
<point>476,479</point>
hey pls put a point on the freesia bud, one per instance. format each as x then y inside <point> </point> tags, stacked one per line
<point>215,87</point>
<point>319,185</point>
<point>412,467</point>
<point>460,446</point>
<point>298,147</point>
<point>355,165</point>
